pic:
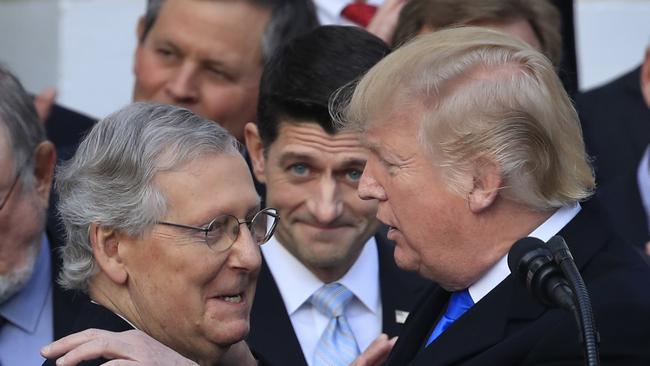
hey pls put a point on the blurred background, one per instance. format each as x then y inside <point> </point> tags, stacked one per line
<point>84,48</point>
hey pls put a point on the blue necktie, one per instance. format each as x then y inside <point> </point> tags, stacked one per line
<point>337,346</point>
<point>459,303</point>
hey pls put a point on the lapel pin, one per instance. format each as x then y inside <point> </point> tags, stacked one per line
<point>400,316</point>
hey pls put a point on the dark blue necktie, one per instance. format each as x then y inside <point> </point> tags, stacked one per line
<point>459,303</point>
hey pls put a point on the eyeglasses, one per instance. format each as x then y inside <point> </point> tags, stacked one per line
<point>222,232</point>
<point>5,199</point>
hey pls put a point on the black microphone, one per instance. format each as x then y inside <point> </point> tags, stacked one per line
<point>584,313</point>
<point>531,261</point>
<point>551,276</point>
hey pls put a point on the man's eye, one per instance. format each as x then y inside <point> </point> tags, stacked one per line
<point>354,174</point>
<point>164,52</point>
<point>300,170</point>
<point>215,233</point>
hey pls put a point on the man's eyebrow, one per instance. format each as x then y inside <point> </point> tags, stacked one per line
<point>167,43</point>
<point>294,156</point>
<point>353,162</point>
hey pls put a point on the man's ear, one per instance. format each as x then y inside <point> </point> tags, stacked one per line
<point>44,162</point>
<point>105,243</point>
<point>485,186</point>
<point>645,77</point>
<point>255,150</point>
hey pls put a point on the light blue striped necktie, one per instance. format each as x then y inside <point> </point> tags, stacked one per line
<point>337,346</point>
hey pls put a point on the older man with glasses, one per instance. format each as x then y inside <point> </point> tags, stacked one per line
<point>33,309</point>
<point>163,225</point>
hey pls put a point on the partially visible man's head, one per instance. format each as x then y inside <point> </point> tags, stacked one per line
<point>141,166</point>
<point>310,171</point>
<point>207,55</point>
<point>462,123</point>
<point>27,164</point>
<point>536,22</point>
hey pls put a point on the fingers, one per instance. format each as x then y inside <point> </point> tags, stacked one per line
<point>377,352</point>
<point>121,363</point>
<point>97,348</point>
<point>43,103</point>
<point>65,344</point>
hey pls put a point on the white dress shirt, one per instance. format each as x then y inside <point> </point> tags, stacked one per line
<point>643,180</point>
<point>296,284</point>
<point>329,11</point>
<point>493,277</point>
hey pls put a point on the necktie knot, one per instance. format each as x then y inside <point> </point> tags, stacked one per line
<point>459,303</point>
<point>331,299</point>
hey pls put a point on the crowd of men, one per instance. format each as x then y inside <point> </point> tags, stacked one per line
<point>288,193</point>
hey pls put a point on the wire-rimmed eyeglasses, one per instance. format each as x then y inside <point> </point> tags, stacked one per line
<point>222,232</point>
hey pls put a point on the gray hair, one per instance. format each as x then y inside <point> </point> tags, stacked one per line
<point>289,18</point>
<point>109,181</point>
<point>21,124</point>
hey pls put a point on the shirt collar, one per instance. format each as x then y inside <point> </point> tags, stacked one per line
<point>495,275</point>
<point>24,308</point>
<point>296,283</point>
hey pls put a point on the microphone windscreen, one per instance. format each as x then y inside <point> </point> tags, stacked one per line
<point>521,248</point>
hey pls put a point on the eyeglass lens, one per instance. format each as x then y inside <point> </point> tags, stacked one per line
<point>225,230</point>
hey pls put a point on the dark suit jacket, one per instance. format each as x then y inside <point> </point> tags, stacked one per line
<point>66,128</point>
<point>65,304</point>
<point>272,337</point>
<point>508,327</point>
<point>616,125</point>
<point>621,202</point>
<point>95,316</point>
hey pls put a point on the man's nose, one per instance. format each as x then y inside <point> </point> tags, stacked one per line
<point>183,86</point>
<point>326,204</point>
<point>369,188</point>
<point>245,253</point>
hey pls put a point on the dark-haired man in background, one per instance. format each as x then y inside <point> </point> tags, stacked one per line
<point>326,239</point>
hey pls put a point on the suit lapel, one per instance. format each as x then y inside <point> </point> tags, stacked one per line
<point>66,305</point>
<point>272,336</point>
<point>417,326</point>
<point>398,289</point>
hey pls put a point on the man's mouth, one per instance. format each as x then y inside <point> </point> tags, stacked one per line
<point>235,299</point>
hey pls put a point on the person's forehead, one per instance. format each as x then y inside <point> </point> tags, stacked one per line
<point>216,28</point>
<point>310,137</point>
<point>209,185</point>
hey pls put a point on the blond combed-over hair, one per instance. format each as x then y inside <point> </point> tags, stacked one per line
<point>480,95</point>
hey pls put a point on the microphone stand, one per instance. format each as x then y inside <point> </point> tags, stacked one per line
<point>583,311</point>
